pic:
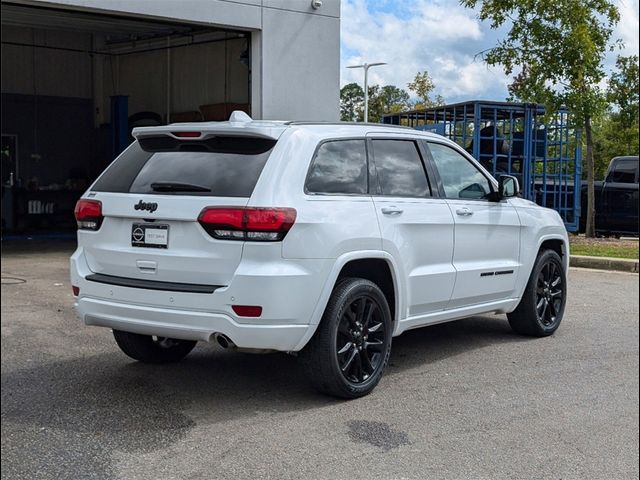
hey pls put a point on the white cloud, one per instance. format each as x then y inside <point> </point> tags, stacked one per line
<point>446,21</point>
<point>442,37</point>
<point>438,36</point>
<point>627,29</point>
<point>469,80</point>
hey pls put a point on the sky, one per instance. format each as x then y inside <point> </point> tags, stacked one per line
<point>442,37</point>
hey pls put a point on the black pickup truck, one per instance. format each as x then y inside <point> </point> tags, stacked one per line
<point>616,199</point>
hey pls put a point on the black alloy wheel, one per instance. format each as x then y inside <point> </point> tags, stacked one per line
<point>541,307</point>
<point>549,294</point>
<point>360,339</point>
<point>350,349</point>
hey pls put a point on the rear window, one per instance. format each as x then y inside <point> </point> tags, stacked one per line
<point>400,170</point>
<point>339,167</point>
<point>624,171</point>
<point>221,166</point>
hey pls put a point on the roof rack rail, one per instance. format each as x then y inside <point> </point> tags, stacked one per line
<point>359,124</point>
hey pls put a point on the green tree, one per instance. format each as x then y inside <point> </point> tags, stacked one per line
<point>351,102</point>
<point>423,87</point>
<point>623,91</point>
<point>616,133</point>
<point>612,139</point>
<point>557,49</point>
<point>386,99</point>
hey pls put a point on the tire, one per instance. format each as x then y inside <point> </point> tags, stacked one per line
<point>148,349</point>
<point>541,308</point>
<point>350,349</point>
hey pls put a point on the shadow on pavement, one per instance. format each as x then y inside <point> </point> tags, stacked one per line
<point>109,394</point>
<point>427,345</point>
<point>83,409</point>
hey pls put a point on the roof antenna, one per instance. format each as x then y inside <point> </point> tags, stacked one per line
<point>238,116</point>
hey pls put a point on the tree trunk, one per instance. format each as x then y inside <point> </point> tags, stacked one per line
<point>590,230</point>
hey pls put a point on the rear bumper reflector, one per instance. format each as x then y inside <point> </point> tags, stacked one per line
<point>151,284</point>
<point>247,310</point>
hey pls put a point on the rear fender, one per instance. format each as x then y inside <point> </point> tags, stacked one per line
<point>398,286</point>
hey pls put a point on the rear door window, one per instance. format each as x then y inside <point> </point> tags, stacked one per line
<point>400,169</point>
<point>339,167</point>
<point>214,167</point>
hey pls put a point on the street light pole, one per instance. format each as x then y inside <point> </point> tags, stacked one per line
<point>365,67</point>
<point>366,93</point>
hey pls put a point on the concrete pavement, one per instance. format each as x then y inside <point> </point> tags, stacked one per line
<point>462,400</point>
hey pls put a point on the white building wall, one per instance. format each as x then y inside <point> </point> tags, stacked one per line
<point>295,48</point>
<point>301,65</point>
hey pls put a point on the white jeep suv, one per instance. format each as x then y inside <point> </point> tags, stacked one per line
<point>322,239</point>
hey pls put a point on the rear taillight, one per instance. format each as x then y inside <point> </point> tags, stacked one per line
<point>248,223</point>
<point>75,290</point>
<point>88,214</point>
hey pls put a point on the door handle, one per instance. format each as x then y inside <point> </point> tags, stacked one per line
<point>464,212</point>
<point>391,210</point>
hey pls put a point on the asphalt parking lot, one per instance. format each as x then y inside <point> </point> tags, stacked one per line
<point>462,400</point>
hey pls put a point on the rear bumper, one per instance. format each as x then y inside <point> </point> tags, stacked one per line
<point>288,292</point>
<point>187,325</point>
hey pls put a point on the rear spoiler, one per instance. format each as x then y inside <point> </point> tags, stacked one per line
<point>239,125</point>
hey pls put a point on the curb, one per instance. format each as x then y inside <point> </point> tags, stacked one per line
<point>604,263</point>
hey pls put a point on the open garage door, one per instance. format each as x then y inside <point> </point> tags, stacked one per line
<point>74,84</point>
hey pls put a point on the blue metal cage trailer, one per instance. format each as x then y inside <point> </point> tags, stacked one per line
<point>545,154</point>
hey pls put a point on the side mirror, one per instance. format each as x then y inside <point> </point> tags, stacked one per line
<point>508,186</point>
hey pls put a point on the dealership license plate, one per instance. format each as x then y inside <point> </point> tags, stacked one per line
<point>149,235</point>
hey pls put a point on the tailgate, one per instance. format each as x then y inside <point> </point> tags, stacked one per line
<point>183,253</point>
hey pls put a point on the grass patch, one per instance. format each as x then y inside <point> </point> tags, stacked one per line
<point>604,247</point>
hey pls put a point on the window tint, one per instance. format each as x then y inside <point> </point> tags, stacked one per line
<point>399,168</point>
<point>460,178</point>
<point>218,168</point>
<point>339,167</point>
<point>624,171</point>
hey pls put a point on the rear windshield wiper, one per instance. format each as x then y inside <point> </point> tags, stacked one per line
<point>178,187</point>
